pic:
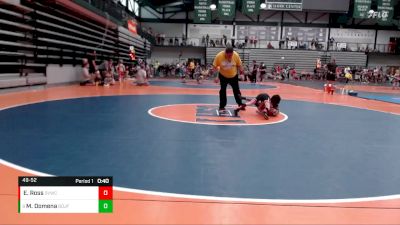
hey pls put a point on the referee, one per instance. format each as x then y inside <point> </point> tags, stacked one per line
<point>229,63</point>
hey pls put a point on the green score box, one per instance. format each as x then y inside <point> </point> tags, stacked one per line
<point>105,206</point>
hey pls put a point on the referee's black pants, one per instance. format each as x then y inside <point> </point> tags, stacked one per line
<point>234,82</point>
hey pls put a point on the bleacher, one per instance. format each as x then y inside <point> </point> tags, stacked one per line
<point>349,58</point>
<point>211,52</point>
<point>38,33</point>
<point>301,59</point>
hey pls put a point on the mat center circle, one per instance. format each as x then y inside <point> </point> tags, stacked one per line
<point>207,114</point>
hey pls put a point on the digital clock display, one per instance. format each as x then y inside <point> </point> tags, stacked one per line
<point>29,179</point>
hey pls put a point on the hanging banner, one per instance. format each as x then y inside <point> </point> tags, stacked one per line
<point>290,5</point>
<point>385,11</point>
<point>226,9</point>
<point>251,7</point>
<point>202,11</point>
<point>361,8</point>
<point>132,26</point>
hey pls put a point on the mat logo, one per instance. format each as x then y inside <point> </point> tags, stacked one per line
<point>210,114</point>
<point>207,114</point>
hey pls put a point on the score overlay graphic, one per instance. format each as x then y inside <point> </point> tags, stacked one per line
<point>65,195</point>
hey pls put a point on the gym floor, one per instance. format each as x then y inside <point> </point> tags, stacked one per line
<point>326,159</point>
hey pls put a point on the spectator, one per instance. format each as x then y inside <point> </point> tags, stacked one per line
<point>293,74</point>
<point>392,46</point>
<point>162,38</point>
<point>158,39</point>
<point>103,69</point>
<point>313,44</point>
<point>112,69</point>
<point>183,40</point>
<point>396,80</point>
<point>204,72</point>
<point>302,45</point>
<point>212,43</point>
<point>197,73</point>
<point>281,42</point>
<point>263,71</point>
<point>207,40</point>
<point>156,68</point>
<point>317,47</point>
<point>88,79</point>
<point>141,77</point>
<point>121,70</point>
<point>238,44</point>
<point>191,66</point>
<point>246,73</point>
<point>269,46</point>
<point>149,71</point>
<point>176,41</point>
<point>253,78</point>
<point>246,40</point>
<point>331,42</point>
<point>225,39</point>
<point>92,62</point>
<point>108,74</point>
<point>132,71</point>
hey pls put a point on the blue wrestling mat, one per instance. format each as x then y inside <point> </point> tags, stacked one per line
<point>391,98</point>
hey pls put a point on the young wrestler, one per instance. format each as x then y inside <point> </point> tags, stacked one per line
<point>267,106</point>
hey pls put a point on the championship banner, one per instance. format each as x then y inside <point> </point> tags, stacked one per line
<point>202,11</point>
<point>226,9</point>
<point>251,7</point>
<point>385,11</point>
<point>361,8</point>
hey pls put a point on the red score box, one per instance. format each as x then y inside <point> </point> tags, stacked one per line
<point>105,193</point>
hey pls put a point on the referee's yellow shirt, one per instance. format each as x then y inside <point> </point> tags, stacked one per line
<point>227,68</point>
